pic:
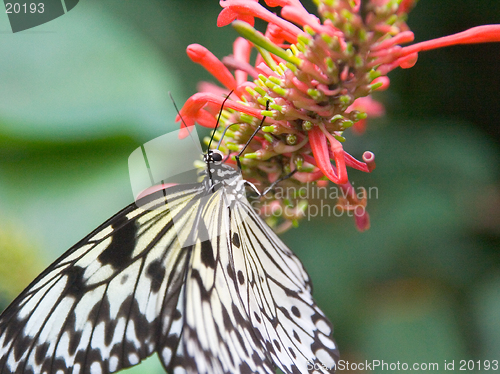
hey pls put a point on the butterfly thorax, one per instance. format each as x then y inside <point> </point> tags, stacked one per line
<point>223,176</point>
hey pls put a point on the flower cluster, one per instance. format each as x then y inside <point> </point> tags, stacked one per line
<point>311,80</point>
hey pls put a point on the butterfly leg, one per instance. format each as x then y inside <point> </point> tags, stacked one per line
<point>278,181</point>
<point>252,186</point>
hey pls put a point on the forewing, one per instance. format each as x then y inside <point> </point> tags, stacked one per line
<point>104,304</point>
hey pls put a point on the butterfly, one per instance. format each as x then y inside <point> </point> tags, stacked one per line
<point>190,272</point>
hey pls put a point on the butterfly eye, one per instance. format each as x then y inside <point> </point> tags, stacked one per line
<point>216,156</point>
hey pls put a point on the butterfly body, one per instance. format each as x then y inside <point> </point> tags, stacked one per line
<point>190,272</point>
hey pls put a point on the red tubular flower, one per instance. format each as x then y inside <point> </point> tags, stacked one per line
<point>406,57</point>
<point>312,83</point>
<point>368,106</point>
<point>319,146</point>
<point>196,102</point>
<point>214,66</point>
<point>479,34</point>
<point>229,14</point>
<point>367,166</point>
<point>301,17</point>
<point>246,10</point>
<point>241,52</point>
<point>192,111</point>
<point>361,218</point>
<point>278,35</point>
<point>401,38</point>
<point>405,6</point>
<point>308,177</point>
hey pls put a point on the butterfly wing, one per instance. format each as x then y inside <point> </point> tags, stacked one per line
<point>217,337</point>
<point>110,300</point>
<point>247,301</point>
<point>235,301</point>
<point>275,291</point>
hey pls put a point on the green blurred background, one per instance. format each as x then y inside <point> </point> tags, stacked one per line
<point>80,93</point>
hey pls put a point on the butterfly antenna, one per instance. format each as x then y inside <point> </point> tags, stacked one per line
<point>224,134</point>
<point>237,157</point>
<point>182,119</point>
<point>218,121</point>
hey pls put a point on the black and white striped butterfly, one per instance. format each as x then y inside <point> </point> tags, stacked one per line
<point>190,272</point>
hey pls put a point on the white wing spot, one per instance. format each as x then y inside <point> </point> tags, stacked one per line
<point>323,327</point>
<point>166,354</point>
<point>113,363</point>
<point>76,254</point>
<point>133,359</point>
<point>91,256</point>
<point>96,368</point>
<point>131,336</point>
<point>101,234</point>
<point>76,369</point>
<point>179,370</point>
<point>327,342</point>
